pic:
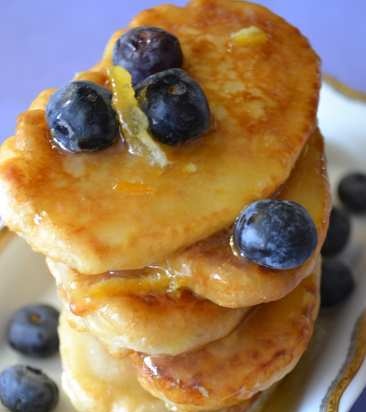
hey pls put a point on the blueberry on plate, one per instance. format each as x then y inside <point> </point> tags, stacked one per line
<point>81,118</point>
<point>25,389</point>
<point>175,105</point>
<point>352,192</point>
<point>276,234</point>
<point>338,233</point>
<point>147,50</point>
<point>337,282</point>
<point>32,330</point>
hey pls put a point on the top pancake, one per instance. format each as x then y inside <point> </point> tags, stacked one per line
<point>263,99</point>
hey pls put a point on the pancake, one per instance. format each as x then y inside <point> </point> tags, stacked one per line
<point>209,268</point>
<point>95,381</point>
<point>262,350</point>
<point>263,99</point>
<point>160,324</point>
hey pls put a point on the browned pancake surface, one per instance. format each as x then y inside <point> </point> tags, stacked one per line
<point>97,382</point>
<point>263,99</point>
<point>155,324</point>
<point>209,268</point>
<point>262,350</point>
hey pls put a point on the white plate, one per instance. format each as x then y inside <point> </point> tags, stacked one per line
<point>24,279</point>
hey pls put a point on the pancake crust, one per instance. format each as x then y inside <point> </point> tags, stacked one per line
<point>97,382</point>
<point>209,268</point>
<point>160,324</point>
<point>263,100</point>
<point>262,350</point>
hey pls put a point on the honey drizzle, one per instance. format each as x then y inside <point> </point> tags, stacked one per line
<point>355,357</point>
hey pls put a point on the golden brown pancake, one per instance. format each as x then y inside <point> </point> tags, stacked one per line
<point>97,382</point>
<point>155,324</point>
<point>209,268</point>
<point>263,99</point>
<point>262,350</point>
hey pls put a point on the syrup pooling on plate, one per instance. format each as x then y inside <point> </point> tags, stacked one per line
<point>209,268</point>
<point>263,100</point>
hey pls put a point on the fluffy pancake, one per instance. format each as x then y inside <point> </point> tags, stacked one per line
<point>263,100</point>
<point>95,381</point>
<point>160,324</point>
<point>262,350</point>
<point>209,268</point>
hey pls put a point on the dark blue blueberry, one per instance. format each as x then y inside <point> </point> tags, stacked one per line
<point>337,282</point>
<point>144,51</point>
<point>352,192</point>
<point>81,118</point>
<point>175,105</point>
<point>33,330</point>
<point>276,234</point>
<point>338,233</point>
<point>25,389</point>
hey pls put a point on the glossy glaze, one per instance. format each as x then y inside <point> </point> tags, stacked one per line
<point>263,99</point>
<point>209,268</point>
<point>264,348</point>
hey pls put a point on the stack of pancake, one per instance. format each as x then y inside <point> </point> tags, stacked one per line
<point>159,313</point>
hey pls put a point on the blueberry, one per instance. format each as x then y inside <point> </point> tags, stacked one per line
<point>337,282</point>
<point>32,330</point>
<point>175,105</point>
<point>25,389</point>
<point>81,118</point>
<point>338,233</point>
<point>352,192</point>
<point>144,51</point>
<point>276,234</point>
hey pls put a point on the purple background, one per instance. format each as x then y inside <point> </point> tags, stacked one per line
<point>43,43</point>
